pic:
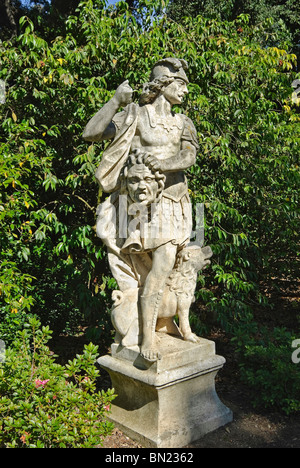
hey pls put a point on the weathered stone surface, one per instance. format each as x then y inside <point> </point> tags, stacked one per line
<point>171,402</point>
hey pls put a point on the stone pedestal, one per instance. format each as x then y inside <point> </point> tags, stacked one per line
<point>169,403</point>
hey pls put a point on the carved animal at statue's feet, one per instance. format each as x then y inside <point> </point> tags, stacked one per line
<point>179,292</point>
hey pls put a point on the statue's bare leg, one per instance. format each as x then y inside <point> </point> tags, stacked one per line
<point>163,260</point>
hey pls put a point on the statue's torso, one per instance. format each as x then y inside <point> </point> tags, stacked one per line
<point>162,138</point>
<point>156,135</point>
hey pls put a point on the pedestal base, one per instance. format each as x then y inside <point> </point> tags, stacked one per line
<point>172,402</point>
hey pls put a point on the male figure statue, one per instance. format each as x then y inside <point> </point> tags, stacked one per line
<point>171,143</point>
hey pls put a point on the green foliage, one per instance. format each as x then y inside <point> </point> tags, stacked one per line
<point>281,19</point>
<point>247,172</point>
<point>267,368</point>
<point>15,289</point>
<point>46,405</point>
<point>49,194</point>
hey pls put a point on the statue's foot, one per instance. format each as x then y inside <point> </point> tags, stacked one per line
<point>191,337</point>
<point>150,354</point>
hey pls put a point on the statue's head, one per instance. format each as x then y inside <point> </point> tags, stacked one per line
<point>167,77</point>
<point>142,185</point>
<point>170,68</point>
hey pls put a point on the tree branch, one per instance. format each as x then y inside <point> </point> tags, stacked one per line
<point>10,15</point>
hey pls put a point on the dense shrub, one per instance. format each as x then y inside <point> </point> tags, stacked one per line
<point>266,365</point>
<point>46,405</point>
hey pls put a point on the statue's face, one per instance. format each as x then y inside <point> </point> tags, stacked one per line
<point>142,185</point>
<point>175,91</point>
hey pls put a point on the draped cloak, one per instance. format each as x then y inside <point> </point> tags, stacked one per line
<point>115,156</point>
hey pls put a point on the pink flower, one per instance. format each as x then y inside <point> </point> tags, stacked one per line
<point>39,383</point>
<point>106,407</point>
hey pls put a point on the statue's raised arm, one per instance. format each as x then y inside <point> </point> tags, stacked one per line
<point>101,127</point>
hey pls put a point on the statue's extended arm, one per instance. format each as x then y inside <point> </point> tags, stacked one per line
<point>182,161</point>
<point>101,127</point>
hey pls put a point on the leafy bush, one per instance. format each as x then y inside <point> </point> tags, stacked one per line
<point>15,289</point>
<point>266,366</point>
<point>47,405</point>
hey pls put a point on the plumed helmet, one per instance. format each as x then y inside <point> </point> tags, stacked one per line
<point>170,67</point>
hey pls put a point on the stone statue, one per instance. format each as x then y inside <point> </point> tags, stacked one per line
<point>146,222</point>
